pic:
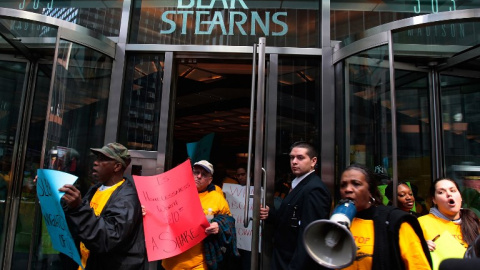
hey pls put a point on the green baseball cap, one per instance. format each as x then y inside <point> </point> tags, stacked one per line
<point>114,151</point>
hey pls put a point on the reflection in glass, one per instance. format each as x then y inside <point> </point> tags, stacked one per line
<point>461,129</point>
<point>369,110</point>
<point>413,133</point>
<point>427,49</point>
<point>438,41</point>
<point>298,114</point>
<point>76,119</point>
<point>32,30</point>
<point>38,39</point>
<point>141,102</point>
<point>212,97</point>
<point>75,123</point>
<point>351,18</point>
<point>103,17</point>
<point>12,77</point>
<point>26,222</point>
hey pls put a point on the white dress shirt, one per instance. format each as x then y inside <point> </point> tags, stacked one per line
<point>297,180</point>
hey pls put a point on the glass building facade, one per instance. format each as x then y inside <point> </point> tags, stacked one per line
<point>390,84</point>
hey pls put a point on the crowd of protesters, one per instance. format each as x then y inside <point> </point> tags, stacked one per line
<point>107,221</point>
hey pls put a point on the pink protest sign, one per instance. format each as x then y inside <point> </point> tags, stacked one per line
<point>175,220</point>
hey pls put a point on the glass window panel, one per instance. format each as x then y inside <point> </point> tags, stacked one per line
<point>12,77</point>
<point>78,104</point>
<point>461,129</point>
<point>103,17</point>
<point>239,23</point>
<point>142,95</point>
<point>25,223</point>
<point>212,98</point>
<point>298,114</point>
<point>427,49</point>
<point>32,34</point>
<point>38,39</point>
<point>437,42</point>
<point>75,123</point>
<point>369,110</point>
<point>349,17</point>
<point>414,134</point>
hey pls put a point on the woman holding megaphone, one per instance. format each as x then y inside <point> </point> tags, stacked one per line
<point>386,237</point>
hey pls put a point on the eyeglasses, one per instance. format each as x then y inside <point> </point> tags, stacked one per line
<point>202,174</point>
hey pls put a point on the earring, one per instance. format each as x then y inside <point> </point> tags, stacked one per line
<point>373,199</point>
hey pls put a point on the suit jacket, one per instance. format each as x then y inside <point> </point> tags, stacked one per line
<point>308,201</point>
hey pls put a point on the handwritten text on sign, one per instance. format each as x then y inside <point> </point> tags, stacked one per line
<point>175,220</point>
<point>48,183</point>
<point>235,195</point>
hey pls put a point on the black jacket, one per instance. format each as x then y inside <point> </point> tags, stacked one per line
<point>307,202</point>
<point>387,221</point>
<point>115,238</point>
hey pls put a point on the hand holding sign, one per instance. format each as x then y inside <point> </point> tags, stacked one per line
<point>72,196</point>
<point>174,220</point>
<point>235,195</point>
<point>48,183</point>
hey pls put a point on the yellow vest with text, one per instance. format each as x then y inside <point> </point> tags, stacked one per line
<point>194,258</point>
<point>410,247</point>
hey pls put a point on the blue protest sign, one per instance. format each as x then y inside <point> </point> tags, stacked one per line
<point>48,183</point>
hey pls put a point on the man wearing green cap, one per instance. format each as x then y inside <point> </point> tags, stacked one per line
<point>108,220</point>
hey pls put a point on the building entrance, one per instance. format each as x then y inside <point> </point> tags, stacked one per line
<point>212,103</point>
<point>213,98</point>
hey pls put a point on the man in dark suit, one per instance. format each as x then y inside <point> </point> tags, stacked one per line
<point>308,200</point>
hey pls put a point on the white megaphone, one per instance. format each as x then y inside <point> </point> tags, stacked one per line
<point>329,241</point>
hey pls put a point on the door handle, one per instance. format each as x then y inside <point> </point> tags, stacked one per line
<point>264,187</point>
<point>246,220</point>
